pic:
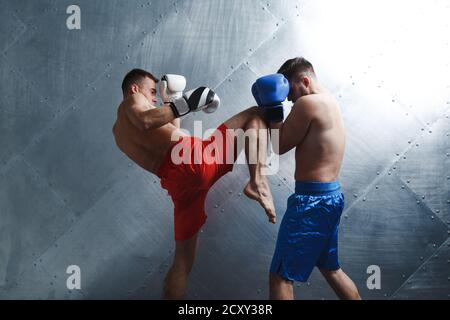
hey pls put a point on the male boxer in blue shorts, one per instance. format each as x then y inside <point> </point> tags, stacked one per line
<point>308,235</point>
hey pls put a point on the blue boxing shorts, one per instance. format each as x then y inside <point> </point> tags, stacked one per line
<point>308,234</point>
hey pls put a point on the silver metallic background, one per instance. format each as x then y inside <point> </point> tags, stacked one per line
<point>69,196</point>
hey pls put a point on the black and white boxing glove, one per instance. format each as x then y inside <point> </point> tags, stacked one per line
<point>202,98</point>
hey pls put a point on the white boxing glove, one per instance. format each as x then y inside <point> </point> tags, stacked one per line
<point>195,100</point>
<point>171,87</point>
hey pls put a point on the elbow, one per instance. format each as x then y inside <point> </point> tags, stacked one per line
<point>278,149</point>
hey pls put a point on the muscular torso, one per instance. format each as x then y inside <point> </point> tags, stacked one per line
<point>319,156</point>
<point>146,148</point>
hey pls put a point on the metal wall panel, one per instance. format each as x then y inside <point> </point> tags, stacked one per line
<point>69,196</point>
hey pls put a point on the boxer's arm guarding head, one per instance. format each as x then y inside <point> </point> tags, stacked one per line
<point>295,128</point>
<point>145,116</point>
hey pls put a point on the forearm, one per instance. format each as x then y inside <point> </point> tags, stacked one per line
<point>157,117</point>
<point>276,136</point>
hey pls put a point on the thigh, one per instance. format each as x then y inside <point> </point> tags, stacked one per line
<point>239,121</point>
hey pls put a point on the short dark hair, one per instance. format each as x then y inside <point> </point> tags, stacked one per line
<point>135,76</point>
<point>294,65</point>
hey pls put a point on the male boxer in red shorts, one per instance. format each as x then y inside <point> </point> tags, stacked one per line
<point>152,138</point>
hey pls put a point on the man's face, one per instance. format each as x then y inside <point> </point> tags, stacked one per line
<point>148,88</point>
<point>299,87</point>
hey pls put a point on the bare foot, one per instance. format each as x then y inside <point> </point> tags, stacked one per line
<point>261,193</point>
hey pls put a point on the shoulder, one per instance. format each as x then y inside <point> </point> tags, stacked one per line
<point>314,104</point>
<point>135,100</point>
<point>306,106</point>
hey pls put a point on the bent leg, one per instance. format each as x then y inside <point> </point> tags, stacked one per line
<point>175,283</point>
<point>342,285</point>
<point>280,289</point>
<point>255,145</point>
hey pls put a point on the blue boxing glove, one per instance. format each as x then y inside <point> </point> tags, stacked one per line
<point>269,92</point>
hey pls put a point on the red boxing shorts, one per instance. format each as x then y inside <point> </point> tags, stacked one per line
<point>189,170</point>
